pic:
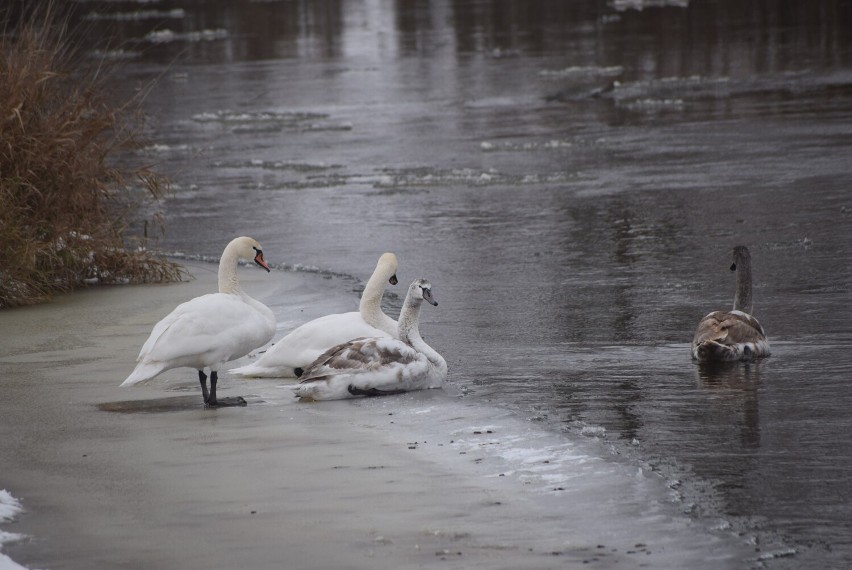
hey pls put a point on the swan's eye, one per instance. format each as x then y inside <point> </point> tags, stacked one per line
<point>733,267</point>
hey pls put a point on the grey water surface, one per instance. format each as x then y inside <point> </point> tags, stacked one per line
<point>571,176</point>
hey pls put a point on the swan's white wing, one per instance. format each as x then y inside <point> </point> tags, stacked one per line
<point>205,331</point>
<point>303,345</point>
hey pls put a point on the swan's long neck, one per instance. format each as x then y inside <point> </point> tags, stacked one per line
<point>409,332</point>
<point>370,305</point>
<point>742,297</point>
<point>228,281</point>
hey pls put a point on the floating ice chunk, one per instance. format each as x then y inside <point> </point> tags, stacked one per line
<point>487,146</point>
<point>167,36</point>
<point>590,70</point>
<point>655,104</point>
<point>176,14</point>
<point>622,5</point>
<point>593,431</point>
<point>778,554</point>
<point>114,54</point>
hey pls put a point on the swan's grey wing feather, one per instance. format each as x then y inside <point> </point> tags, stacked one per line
<point>728,328</point>
<point>359,356</point>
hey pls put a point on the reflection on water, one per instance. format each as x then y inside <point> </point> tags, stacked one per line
<point>735,387</point>
<point>572,176</point>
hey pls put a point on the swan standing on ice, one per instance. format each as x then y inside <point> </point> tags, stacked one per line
<point>289,356</point>
<point>734,335</point>
<point>210,330</point>
<point>378,366</point>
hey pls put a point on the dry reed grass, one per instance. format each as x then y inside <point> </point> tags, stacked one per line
<point>64,205</point>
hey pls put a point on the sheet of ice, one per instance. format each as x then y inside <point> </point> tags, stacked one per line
<point>7,563</point>
<point>9,506</point>
<point>563,494</point>
<point>9,509</point>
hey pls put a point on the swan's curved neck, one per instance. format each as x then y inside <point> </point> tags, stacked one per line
<point>228,281</point>
<point>409,332</point>
<point>742,297</point>
<point>370,305</point>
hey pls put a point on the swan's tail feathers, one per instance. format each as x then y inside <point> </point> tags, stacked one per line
<point>143,372</point>
<point>249,370</point>
<point>712,351</point>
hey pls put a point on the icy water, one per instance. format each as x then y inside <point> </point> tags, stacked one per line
<point>571,177</point>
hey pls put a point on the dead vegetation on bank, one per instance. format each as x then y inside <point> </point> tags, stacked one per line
<point>65,205</point>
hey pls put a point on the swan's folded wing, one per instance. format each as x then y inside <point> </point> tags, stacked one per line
<point>360,355</point>
<point>751,323</point>
<point>217,320</point>
<point>728,328</point>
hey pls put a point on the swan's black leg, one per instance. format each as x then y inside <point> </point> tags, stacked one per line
<point>202,378</point>
<point>215,402</point>
<point>372,391</point>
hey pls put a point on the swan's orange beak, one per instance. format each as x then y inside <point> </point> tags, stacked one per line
<point>259,260</point>
<point>393,280</point>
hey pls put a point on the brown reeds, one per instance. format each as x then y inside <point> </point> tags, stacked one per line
<point>64,204</point>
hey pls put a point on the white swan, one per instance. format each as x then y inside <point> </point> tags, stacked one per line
<point>290,355</point>
<point>378,366</point>
<point>210,330</point>
<point>732,335</point>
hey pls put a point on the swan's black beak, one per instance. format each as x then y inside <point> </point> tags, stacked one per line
<point>733,267</point>
<point>259,260</point>
<point>393,280</point>
<point>427,296</point>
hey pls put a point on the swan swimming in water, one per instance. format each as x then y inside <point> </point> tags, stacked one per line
<point>289,356</point>
<point>732,335</point>
<point>378,366</point>
<point>207,331</point>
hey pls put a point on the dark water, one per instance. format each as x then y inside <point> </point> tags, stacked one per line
<point>571,176</point>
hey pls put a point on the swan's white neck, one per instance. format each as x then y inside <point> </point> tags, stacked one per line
<point>370,305</point>
<point>742,297</point>
<point>371,298</point>
<point>409,332</point>
<point>228,281</point>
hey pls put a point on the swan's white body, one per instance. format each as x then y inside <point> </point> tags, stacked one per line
<point>378,366</point>
<point>732,335</point>
<point>210,330</point>
<point>304,344</point>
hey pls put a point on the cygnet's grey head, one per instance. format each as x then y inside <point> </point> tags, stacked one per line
<point>422,289</point>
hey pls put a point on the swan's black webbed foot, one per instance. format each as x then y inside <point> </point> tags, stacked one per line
<point>211,401</point>
<point>298,372</point>
<point>372,391</point>
<point>226,402</point>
